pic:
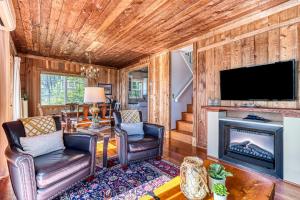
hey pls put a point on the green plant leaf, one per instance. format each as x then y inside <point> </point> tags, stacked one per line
<point>217,171</point>
<point>220,189</point>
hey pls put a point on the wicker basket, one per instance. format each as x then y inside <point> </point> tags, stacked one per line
<point>193,178</point>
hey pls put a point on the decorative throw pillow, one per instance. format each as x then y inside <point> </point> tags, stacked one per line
<point>42,144</point>
<point>133,128</point>
<point>38,125</point>
<point>130,116</point>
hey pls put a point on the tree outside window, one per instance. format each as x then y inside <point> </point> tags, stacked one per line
<point>61,89</point>
<point>136,89</point>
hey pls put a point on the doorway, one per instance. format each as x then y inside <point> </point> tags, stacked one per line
<point>138,91</point>
<point>182,94</point>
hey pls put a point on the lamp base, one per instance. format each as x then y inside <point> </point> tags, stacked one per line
<point>95,122</point>
<point>95,125</point>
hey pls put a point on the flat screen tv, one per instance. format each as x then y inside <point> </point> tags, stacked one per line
<point>276,81</point>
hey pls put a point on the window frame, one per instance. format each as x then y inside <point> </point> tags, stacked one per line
<point>63,86</point>
<point>139,83</point>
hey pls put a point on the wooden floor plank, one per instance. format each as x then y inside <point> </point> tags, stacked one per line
<point>175,151</point>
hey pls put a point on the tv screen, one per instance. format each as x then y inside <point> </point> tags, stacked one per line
<point>265,82</point>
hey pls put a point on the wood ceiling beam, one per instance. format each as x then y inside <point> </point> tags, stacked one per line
<point>60,60</point>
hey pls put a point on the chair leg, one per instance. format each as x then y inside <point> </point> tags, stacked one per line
<point>90,178</point>
<point>124,167</point>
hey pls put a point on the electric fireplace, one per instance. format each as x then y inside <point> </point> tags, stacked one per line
<point>255,145</point>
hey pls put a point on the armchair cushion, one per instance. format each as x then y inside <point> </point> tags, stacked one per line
<point>130,116</point>
<point>147,143</point>
<point>83,142</point>
<point>133,128</point>
<point>55,166</point>
<point>39,125</point>
<point>42,144</point>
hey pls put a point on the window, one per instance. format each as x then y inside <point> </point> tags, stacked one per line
<point>60,89</point>
<point>136,89</point>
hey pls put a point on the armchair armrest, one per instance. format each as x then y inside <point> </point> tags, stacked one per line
<point>154,130</point>
<point>122,144</point>
<point>120,132</point>
<point>22,174</point>
<point>83,142</point>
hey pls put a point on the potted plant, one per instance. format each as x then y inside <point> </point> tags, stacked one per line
<point>220,191</point>
<point>217,174</point>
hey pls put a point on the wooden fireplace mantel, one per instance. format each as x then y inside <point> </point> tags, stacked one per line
<point>285,112</point>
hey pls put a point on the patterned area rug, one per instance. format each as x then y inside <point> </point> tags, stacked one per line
<point>115,183</point>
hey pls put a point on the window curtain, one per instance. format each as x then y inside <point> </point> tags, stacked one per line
<point>17,102</point>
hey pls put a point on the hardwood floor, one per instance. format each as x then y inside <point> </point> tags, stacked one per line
<point>175,151</point>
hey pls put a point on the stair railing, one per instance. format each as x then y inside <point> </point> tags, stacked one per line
<point>187,57</point>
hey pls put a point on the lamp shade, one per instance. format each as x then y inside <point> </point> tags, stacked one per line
<point>94,95</point>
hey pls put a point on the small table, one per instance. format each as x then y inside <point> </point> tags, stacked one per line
<point>243,185</point>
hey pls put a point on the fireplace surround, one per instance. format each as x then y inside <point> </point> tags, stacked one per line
<point>255,145</point>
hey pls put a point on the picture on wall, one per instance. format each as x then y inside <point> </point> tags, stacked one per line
<point>107,88</point>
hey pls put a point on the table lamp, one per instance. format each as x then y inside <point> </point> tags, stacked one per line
<point>94,95</point>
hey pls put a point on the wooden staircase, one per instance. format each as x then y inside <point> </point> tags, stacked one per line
<point>184,127</point>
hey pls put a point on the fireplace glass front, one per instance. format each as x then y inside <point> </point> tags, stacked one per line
<point>255,146</point>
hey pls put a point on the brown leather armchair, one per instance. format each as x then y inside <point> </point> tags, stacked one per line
<point>133,147</point>
<point>46,176</point>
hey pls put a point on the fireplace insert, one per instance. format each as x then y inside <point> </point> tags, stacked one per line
<point>255,145</point>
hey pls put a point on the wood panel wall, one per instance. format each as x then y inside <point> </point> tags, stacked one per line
<point>158,87</point>
<point>159,102</point>
<point>6,91</point>
<point>270,39</point>
<point>32,66</point>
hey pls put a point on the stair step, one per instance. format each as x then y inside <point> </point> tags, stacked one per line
<point>190,108</point>
<point>183,136</point>
<point>182,125</point>
<point>186,116</point>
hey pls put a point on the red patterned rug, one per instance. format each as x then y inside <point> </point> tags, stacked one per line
<point>115,183</point>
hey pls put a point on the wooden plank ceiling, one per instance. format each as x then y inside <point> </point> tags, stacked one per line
<point>119,32</point>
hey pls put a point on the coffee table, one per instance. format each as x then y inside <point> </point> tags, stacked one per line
<point>243,185</point>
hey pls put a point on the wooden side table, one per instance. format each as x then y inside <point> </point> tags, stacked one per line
<point>243,185</point>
